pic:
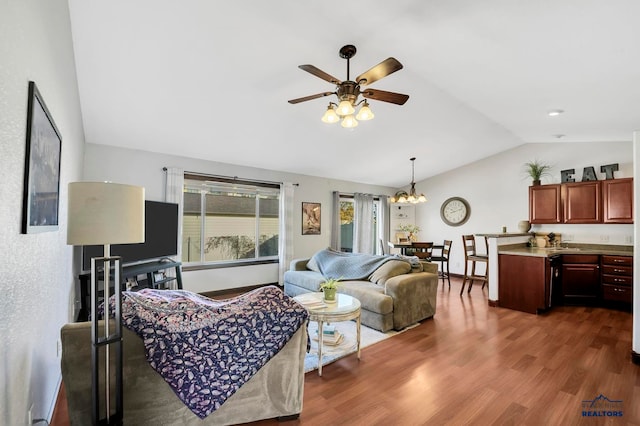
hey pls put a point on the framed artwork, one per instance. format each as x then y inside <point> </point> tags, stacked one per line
<point>311,218</point>
<point>41,190</point>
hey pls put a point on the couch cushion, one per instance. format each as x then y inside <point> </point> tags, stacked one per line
<point>371,296</point>
<point>309,280</point>
<point>390,269</point>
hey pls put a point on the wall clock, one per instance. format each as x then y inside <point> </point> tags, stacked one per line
<point>455,211</point>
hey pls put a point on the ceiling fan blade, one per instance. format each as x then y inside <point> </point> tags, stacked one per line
<point>308,98</point>
<point>319,73</point>
<point>383,69</point>
<point>381,95</point>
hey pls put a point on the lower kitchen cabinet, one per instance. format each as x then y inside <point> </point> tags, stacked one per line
<point>524,283</point>
<point>580,279</point>
<point>617,279</point>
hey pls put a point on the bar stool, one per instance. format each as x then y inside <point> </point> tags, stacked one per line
<point>443,258</point>
<point>471,255</point>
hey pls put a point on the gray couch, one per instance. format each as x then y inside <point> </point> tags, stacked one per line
<point>275,391</point>
<point>393,297</point>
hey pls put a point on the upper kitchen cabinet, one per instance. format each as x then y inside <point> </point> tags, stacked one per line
<point>617,197</point>
<point>608,201</point>
<point>545,205</point>
<point>582,202</point>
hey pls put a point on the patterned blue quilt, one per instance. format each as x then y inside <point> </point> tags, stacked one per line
<point>207,349</point>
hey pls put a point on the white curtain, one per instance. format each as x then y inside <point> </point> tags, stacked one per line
<point>174,184</point>
<point>285,239</point>
<point>363,223</point>
<point>335,221</point>
<point>383,223</point>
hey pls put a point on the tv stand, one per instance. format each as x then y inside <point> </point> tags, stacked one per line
<point>135,277</point>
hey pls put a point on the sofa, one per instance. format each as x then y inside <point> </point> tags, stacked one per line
<point>393,296</point>
<point>275,391</point>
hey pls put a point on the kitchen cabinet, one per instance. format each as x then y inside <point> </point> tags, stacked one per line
<point>609,201</point>
<point>617,200</point>
<point>545,205</point>
<point>582,202</point>
<point>617,279</point>
<point>524,283</point>
<point>580,279</point>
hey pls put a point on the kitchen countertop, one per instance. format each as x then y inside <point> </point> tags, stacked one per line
<point>522,250</point>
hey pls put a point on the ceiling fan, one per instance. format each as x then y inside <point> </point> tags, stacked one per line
<point>349,90</point>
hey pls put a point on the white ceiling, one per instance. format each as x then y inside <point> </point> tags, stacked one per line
<point>211,79</point>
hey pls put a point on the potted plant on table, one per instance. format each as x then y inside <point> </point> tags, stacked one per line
<point>536,169</point>
<point>329,288</point>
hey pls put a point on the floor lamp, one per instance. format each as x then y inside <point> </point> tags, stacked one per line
<point>103,213</point>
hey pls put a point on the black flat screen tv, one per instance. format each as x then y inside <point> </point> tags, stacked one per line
<point>160,237</point>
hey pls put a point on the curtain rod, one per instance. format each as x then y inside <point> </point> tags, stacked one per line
<point>351,195</point>
<point>232,177</point>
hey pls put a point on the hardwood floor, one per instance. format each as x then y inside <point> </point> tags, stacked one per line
<point>473,364</point>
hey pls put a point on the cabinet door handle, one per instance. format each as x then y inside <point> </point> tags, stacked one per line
<point>618,261</point>
<point>618,270</point>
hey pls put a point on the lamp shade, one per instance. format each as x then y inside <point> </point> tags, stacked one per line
<point>102,213</point>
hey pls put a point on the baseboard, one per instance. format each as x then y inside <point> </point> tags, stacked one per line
<point>494,303</point>
<point>236,290</point>
<point>635,357</point>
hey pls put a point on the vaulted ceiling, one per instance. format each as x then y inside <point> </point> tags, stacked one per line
<point>211,80</point>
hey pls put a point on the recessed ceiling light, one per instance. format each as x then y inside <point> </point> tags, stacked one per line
<point>555,112</point>
<point>558,136</point>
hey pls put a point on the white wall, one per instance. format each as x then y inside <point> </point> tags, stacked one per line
<point>36,269</point>
<point>145,168</point>
<point>497,190</point>
<point>635,342</point>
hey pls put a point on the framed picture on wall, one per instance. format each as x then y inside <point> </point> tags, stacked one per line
<point>41,189</point>
<point>311,218</point>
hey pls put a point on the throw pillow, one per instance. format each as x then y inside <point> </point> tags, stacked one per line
<point>390,269</point>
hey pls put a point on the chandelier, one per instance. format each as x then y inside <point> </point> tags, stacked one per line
<point>402,197</point>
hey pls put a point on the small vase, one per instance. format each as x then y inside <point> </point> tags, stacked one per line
<point>524,226</point>
<point>412,237</point>
<point>536,182</point>
<point>329,295</point>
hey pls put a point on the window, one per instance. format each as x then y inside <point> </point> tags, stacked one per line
<point>226,222</point>
<point>347,221</point>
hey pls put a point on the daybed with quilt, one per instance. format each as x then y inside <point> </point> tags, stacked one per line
<point>197,340</point>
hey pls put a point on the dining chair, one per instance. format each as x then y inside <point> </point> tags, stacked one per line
<point>422,250</point>
<point>441,254</point>
<point>471,256</point>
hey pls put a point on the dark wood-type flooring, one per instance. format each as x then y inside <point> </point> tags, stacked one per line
<point>473,364</point>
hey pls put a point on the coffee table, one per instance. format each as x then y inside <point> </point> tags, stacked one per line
<point>344,309</point>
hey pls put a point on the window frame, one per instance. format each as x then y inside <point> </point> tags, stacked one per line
<point>201,182</point>
<point>378,227</point>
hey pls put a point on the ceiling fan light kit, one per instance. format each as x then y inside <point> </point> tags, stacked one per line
<point>401,197</point>
<point>348,91</point>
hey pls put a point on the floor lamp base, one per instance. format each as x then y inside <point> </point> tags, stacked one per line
<point>107,340</point>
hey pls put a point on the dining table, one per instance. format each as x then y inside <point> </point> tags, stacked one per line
<point>410,245</point>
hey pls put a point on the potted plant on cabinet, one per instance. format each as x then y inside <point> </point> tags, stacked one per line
<point>329,288</point>
<point>412,231</point>
<point>536,169</point>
